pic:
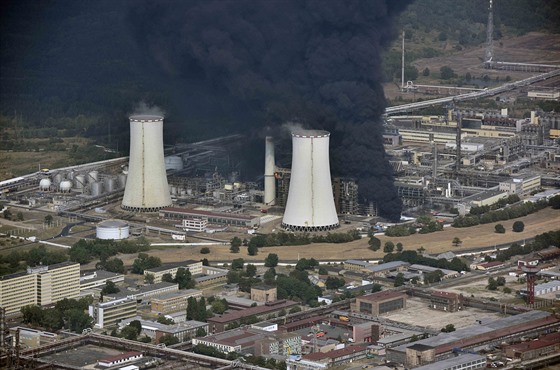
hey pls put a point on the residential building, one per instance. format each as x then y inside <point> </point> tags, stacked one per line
<point>40,285</point>
<point>106,314</point>
<point>379,303</point>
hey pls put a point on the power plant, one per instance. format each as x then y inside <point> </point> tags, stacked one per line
<point>146,187</point>
<point>310,206</point>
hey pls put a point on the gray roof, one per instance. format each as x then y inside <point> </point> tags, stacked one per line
<point>431,269</point>
<point>387,266</point>
<point>453,361</point>
<point>475,330</point>
<point>357,262</point>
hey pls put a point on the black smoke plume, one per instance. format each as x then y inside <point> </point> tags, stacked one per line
<point>313,61</point>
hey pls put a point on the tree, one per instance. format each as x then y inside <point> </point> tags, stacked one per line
<point>400,247</point>
<point>426,72</point>
<point>48,219</point>
<point>271,260</point>
<point>19,216</point>
<point>399,279</point>
<point>376,288</point>
<point>269,276</point>
<point>168,340</point>
<point>334,282</point>
<point>53,320</point>
<point>200,332</point>
<point>7,214</point>
<point>163,320</point>
<point>374,243</point>
<point>456,242</point>
<point>468,77</point>
<point>167,277</point>
<point>184,278</point>
<point>77,320</point>
<point>219,306</point>
<point>149,278</point>
<point>110,288</point>
<point>204,250</point>
<point>389,247</point>
<point>235,244</point>
<point>518,226</point>
<point>492,284</point>
<point>501,281</point>
<point>205,262</point>
<point>192,308</point>
<point>500,229</point>
<point>237,264</point>
<point>250,270</point>
<point>448,328</point>
<point>129,332</point>
<point>252,249</point>
<point>446,72</point>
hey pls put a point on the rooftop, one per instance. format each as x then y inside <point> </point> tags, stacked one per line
<point>169,266</point>
<point>450,362</point>
<point>387,266</point>
<point>258,310</point>
<point>381,296</point>
<point>197,212</point>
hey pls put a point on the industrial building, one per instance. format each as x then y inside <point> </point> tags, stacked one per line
<point>310,206</point>
<point>194,267</point>
<point>173,301</point>
<point>146,188</point>
<point>253,341</point>
<point>219,323</point>
<point>183,331</point>
<point>42,285</point>
<point>544,345</point>
<point>263,293</point>
<point>465,361</point>
<point>440,347</point>
<point>379,303</point>
<point>233,219</point>
<point>446,301</point>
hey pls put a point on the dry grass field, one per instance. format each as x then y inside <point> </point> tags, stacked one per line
<point>482,235</point>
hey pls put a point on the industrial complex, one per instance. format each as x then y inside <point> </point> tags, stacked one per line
<point>97,295</point>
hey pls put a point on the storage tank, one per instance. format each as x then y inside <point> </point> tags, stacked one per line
<point>45,184</point>
<point>80,181</point>
<point>93,176</point>
<point>65,186</point>
<point>110,184</point>
<point>122,180</point>
<point>146,188</point>
<point>96,188</point>
<point>310,205</point>
<point>174,162</point>
<point>112,229</point>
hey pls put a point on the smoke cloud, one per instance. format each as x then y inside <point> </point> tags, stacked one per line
<point>143,108</point>
<point>311,61</point>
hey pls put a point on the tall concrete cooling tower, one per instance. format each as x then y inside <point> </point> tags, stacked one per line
<point>310,206</point>
<point>146,185</point>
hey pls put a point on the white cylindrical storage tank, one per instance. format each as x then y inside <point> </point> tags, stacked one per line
<point>58,178</point>
<point>65,186</point>
<point>80,181</point>
<point>93,176</point>
<point>122,180</point>
<point>112,229</point>
<point>146,186</point>
<point>45,184</point>
<point>109,183</point>
<point>173,162</point>
<point>96,188</point>
<point>269,169</point>
<point>310,205</point>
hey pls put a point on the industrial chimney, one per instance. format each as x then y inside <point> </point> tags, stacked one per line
<point>269,168</point>
<point>146,185</point>
<point>310,206</point>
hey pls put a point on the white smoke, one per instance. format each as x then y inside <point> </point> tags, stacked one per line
<point>143,108</point>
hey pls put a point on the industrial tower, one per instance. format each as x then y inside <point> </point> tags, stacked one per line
<point>489,39</point>
<point>146,185</point>
<point>531,275</point>
<point>310,206</point>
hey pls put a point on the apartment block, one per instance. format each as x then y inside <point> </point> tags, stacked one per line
<point>173,301</point>
<point>40,285</point>
<point>195,268</point>
<point>106,314</point>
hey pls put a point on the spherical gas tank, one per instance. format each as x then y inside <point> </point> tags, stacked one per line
<point>45,184</point>
<point>65,186</point>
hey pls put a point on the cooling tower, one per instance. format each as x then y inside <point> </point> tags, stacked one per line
<point>146,187</point>
<point>269,167</point>
<point>310,206</point>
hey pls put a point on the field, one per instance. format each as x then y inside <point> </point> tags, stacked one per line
<point>481,235</point>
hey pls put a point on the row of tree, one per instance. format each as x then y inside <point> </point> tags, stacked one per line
<point>67,313</point>
<point>508,213</point>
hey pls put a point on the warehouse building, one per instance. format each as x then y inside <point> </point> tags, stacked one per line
<point>379,303</point>
<point>232,219</point>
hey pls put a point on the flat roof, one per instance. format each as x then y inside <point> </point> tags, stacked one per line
<point>196,212</point>
<point>169,266</point>
<point>258,310</point>
<point>450,362</point>
<point>387,266</point>
<point>381,296</point>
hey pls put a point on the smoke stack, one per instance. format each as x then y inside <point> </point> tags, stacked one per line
<point>269,168</point>
<point>146,186</point>
<point>310,206</point>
